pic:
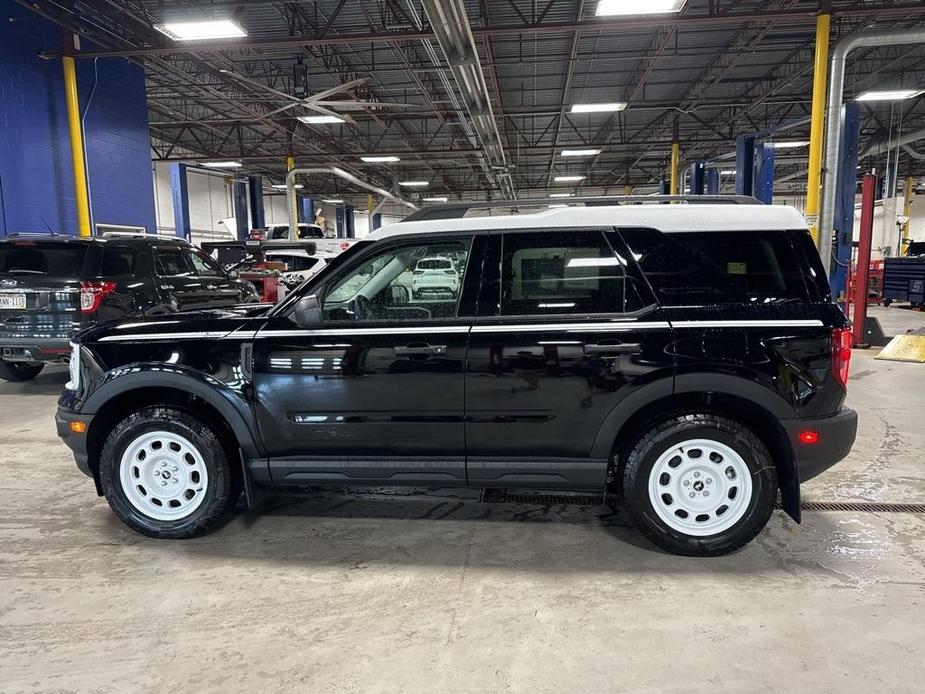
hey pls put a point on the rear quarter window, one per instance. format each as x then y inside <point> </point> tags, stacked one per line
<point>691,268</point>
<point>118,262</point>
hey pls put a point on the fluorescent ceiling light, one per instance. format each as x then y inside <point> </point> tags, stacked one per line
<point>889,95</point>
<point>728,172</point>
<point>560,304</point>
<point>609,8</point>
<point>580,152</point>
<point>592,262</point>
<point>223,164</point>
<point>414,184</point>
<point>567,179</point>
<point>201,30</point>
<point>332,201</point>
<point>789,145</point>
<point>378,160</point>
<point>282,186</point>
<point>436,199</point>
<point>558,204</point>
<point>560,195</point>
<point>318,120</point>
<point>598,108</point>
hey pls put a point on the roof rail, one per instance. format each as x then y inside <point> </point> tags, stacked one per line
<point>459,209</point>
<point>43,234</point>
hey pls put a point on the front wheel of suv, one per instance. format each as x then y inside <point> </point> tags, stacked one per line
<point>166,474</point>
<point>699,484</point>
<point>19,371</point>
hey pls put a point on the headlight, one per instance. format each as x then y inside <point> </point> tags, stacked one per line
<point>73,368</point>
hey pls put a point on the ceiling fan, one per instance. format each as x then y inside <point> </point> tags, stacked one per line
<point>320,102</point>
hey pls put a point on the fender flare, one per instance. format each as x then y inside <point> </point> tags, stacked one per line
<point>229,404</point>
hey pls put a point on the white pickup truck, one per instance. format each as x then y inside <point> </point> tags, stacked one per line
<point>280,232</point>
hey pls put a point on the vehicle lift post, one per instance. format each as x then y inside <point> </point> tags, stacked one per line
<point>846,187</point>
<point>868,193</point>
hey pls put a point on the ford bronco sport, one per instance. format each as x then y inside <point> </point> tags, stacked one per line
<point>685,357</point>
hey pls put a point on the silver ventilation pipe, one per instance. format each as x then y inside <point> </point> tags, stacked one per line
<point>340,173</point>
<point>833,121</point>
<point>450,24</point>
<point>904,140</point>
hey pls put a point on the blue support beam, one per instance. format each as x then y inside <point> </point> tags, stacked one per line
<point>239,199</point>
<point>745,165</point>
<point>712,181</point>
<point>846,188</point>
<point>306,208</point>
<point>664,187</point>
<point>340,222</point>
<point>179,193</point>
<point>696,175</point>
<point>255,190</point>
<point>349,229</point>
<point>375,221</point>
<point>764,173</point>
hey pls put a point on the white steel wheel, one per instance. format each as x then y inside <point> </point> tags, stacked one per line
<point>700,487</point>
<point>163,475</point>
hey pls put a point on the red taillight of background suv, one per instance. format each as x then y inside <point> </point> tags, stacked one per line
<point>92,295</point>
<point>841,355</point>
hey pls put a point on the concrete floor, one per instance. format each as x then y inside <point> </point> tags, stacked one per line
<point>356,592</point>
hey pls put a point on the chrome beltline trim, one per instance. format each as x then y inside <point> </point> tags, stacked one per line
<point>571,327</point>
<point>747,323</point>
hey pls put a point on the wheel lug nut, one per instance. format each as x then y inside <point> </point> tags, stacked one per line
<point>706,493</point>
<point>692,495</point>
<point>709,480</point>
<point>696,474</point>
<point>687,483</point>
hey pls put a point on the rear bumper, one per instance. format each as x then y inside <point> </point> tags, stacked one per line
<point>44,349</point>
<point>836,436</point>
<point>76,442</point>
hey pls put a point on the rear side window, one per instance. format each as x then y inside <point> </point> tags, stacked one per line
<point>118,262</point>
<point>171,262</point>
<point>695,268</point>
<point>25,258</point>
<point>560,272</point>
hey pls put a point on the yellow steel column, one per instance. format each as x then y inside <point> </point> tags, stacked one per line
<point>77,147</point>
<point>907,212</point>
<point>675,168</point>
<point>290,163</point>
<point>817,128</point>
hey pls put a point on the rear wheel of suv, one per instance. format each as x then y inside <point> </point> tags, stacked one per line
<point>19,371</point>
<point>698,484</point>
<point>166,474</point>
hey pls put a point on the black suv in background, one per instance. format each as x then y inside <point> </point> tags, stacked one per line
<point>686,357</point>
<point>52,286</point>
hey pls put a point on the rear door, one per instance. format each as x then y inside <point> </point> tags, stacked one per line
<point>218,287</point>
<point>40,287</point>
<point>562,336</point>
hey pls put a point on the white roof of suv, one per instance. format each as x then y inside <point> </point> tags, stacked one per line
<point>667,218</point>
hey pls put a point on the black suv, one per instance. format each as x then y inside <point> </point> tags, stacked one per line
<point>685,357</point>
<point>52,286</point>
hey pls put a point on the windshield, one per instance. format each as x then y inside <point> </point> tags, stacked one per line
<point>42,258</point>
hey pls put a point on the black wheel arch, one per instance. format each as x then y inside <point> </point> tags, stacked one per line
<point>142,385</point>
<point>732,397</point>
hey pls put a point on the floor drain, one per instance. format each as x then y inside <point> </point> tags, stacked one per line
<point>862,506</point>
<point>501,496</point>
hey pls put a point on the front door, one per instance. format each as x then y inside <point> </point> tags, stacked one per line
<point>374,393</point>
<point>218,288</point>
<point>563,336</point>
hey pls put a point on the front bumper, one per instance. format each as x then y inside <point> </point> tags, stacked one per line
<point>33,349</point>
<point>76,442</point>
<point>836,436</point>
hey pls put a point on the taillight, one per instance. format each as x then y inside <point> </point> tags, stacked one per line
<point>841,355</point>
<point>92,295</point>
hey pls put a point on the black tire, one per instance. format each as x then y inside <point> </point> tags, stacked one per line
<point>667,433</point>
<point>887,302</point>
<point>220,493</point>
<point>19,371</point>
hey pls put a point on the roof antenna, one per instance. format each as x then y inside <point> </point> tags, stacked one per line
<point>50,230</point>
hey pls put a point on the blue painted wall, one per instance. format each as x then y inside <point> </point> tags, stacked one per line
<point>36,179</point>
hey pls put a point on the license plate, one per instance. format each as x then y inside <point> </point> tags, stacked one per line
<point>12,301</point>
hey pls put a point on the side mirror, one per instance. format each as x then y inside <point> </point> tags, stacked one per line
<point>307,312</point>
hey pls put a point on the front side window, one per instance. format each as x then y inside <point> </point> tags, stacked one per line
<point>171,262</point>
<point>410,281</point>
<point>544,273</point>
<point>118,262</point>
<point>204,265</point>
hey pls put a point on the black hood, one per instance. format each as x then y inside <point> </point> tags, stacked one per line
<point>214,324</point>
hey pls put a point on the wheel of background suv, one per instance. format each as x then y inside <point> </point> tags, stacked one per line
<point>166,474</point>
<point>887,302</point>
<point>699,484</point>
<point>19,371</point>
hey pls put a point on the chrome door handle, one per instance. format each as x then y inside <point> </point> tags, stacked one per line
<point>420,350</point>
<point>614,348</point>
